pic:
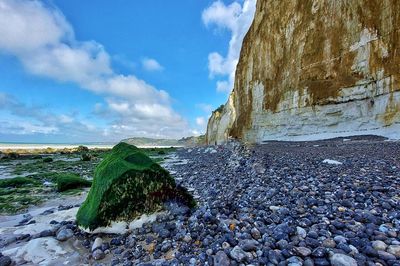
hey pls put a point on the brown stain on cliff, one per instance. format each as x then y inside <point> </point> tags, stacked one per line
<point>289,48</point>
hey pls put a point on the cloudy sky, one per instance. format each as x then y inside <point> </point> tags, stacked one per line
<point>96,71</point>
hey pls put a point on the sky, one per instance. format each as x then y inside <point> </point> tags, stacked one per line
<point>101,71</point>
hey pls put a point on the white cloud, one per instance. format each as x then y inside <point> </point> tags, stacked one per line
<point>207,108</point>
<point>150,64</point>
<point>237,19</point>
<point>224,86</point>
<point>44,42</point>
<point>201,121</point>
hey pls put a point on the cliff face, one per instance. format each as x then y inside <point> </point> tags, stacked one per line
<point>312,69</point>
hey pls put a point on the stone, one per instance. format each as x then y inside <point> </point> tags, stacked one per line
<point>386,255</point>
<point>379,245</point>
<point>64,234</point>
<point>98,254</point>
<point>5,261</point>
<point>255,233</point>
<point>249,245</point>
<point>124,176</point>
<point>97,243</point>
<point>221,259</point>
<point>329,243</point>
<point>238,254</point>
<point>302,251</point>
<point>394,249</point>
<point>301,232</point>
<point>342,260</point>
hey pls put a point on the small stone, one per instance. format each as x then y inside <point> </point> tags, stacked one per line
<point>5,261</point>
<point>64,234</point>
<point>340,239</point>
<point>329,243</point>
<point>319,252</point>
<point>301,232</point>
<point>98,254</point>
<point>342,260</point>
<point>302,251</point>
<point>238,254</point>
<point>166,246</point>
<point>249,245</point>
<point>187,238</point>
<point>46,233</point>
<point>394,249</point>
<point>97,243</point>
<point>379,245</point>
<point>221,259</point>
<point>255,233</point>
<point>386,255</point>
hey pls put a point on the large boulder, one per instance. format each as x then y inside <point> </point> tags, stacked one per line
<point>127,184</point>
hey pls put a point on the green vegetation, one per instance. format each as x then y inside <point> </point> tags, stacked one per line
<point>17,182</point>
<point>47,160</point>
<point>71,181</point>
<point>126,184</point>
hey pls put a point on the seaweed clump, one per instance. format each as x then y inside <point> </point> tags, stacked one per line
<point>66,181</point>
<point>127,184</point>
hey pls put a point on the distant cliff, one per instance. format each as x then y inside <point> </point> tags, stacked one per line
<point>312,69</point>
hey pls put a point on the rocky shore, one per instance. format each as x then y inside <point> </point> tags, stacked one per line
<point>330,202</point>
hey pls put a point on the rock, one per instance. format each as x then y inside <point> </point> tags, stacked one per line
<point>340,239</point>
<point>221,259</point>
<point>238,254</point>
<point>166,246</point>
<point>5,261</point>
<point>97,243</point>
<point>249,245</point>
<point>319,252</point>
<point>379,245</point>
<point>47,233</point>
<point>394,249</point>
<point>64,234</point>
<point>126,176</point>
<point>342,260</point>
<point>386,255</point>
<point>329,243</point>
<point>98,254</point>
<point>302,251</point>
<point>301,232</point>
<point>255,233</point>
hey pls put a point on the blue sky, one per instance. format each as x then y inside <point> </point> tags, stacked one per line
<point>93,71</point>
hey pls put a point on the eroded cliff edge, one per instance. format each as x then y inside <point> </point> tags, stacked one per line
<point>312,69</point>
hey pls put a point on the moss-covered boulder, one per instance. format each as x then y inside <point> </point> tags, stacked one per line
<point>127,184</point>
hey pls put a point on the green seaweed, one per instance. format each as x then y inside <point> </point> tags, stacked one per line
<point>17,182</point>
<point>127,183</point>
<point>67,181</point>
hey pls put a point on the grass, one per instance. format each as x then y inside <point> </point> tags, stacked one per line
<point>71,181</point>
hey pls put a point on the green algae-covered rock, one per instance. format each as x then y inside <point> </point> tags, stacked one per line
<point>127,184</point>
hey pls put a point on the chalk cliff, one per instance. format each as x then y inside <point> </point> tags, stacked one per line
<point>312,69</point>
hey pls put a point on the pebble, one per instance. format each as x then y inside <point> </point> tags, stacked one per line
<point>221,259</point>
<point>5,261</point>
<point>64,234</point>
<point>97,243</point>
<point>394,249</point>
<point>98,254</point>
<point>342,260</point>
<point>379,245</point>
<point>302,251</point>
<point>238,254</point>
